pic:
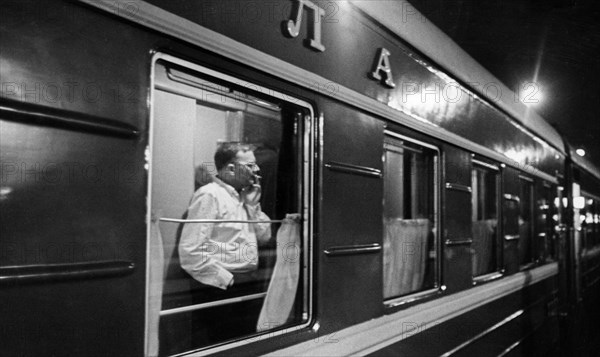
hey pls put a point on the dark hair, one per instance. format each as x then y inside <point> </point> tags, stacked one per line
<point>226,153</point>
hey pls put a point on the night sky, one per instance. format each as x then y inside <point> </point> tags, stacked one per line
<point>549,48</point>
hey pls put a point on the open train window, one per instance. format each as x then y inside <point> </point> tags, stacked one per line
<point>410,259</point>
<point>526,209</point>
<point>230,172</point>
<point>484,201</point>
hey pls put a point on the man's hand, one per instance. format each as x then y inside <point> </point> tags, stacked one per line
<point>251,195</point>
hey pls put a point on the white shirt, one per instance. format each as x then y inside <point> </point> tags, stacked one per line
<point>210,252</point>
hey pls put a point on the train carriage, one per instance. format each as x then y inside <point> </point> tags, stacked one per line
<point>416,207</point>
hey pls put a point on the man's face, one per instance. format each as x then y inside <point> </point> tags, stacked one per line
<point>242,171</point>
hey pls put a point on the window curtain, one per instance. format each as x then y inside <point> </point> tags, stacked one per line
<point>483,246</point>
<point>155,289</point>
<point>281,293</point>
<point>404,255</point>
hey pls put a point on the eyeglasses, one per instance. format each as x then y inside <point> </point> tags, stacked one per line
<point>251,165</point>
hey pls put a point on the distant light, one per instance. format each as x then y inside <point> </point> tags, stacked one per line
<point>517,156</point>
<point>580,152</point>
<point>4,192</point>
<point>578,202</point>
<point>530,93</point>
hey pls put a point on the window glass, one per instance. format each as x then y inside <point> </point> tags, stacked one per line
<point>596,222</point>
<point>596,209</point>
<point>526,254</point>
<point>409,250</point>
<point>235,157</point>
<point>587,223</point>
<point>484,188</point>
<point>545,224</point>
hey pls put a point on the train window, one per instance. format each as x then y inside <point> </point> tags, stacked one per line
<point>230,190</point>
<point>545,224</point>
<point>410,223</point>
<point>596,221</point>
<point>588,221</point>
<point>526,248</point>
<point>484,185</point>
<point>593,220</point>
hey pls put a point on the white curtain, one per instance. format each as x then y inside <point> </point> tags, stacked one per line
<point>483,243</point>
<point>155,289</point>
<point>404,255</point>
<point>281,293</point>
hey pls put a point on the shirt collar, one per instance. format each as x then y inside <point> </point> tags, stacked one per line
<point>227,187</point>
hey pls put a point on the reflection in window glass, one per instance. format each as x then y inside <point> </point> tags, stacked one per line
<point>238,159</point>
<point>525,222</point>
<point>596,220</point>
<point>587,223</point>
<point>545,226</point>
<point>484,184</point>
<point>409,249</point>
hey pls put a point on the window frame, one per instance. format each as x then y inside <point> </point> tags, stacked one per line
<point>437,179</point>
<point>309,138</point>
<point>549,227</point>
<point>595,225</point>
<point>499,268</point>
<point>531,182</point>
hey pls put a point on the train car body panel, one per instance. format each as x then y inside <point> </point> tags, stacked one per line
<point>406,96</point>
<point>374,335</point>
<point>98,133</point>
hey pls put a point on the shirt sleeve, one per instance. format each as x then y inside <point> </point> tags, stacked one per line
<point>195,248</point>
<point>262,230</point>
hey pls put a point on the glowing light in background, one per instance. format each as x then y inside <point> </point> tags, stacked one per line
<point>580,152</point>
<point>530,93</point>
<point>4,192</point>
<point>518,156</point>
<point>578,202</point>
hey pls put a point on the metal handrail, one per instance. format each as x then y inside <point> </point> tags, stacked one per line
<point>176,220</point>
<point>207,305</point>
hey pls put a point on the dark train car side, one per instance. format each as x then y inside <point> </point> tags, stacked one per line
<point>413,207</point>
